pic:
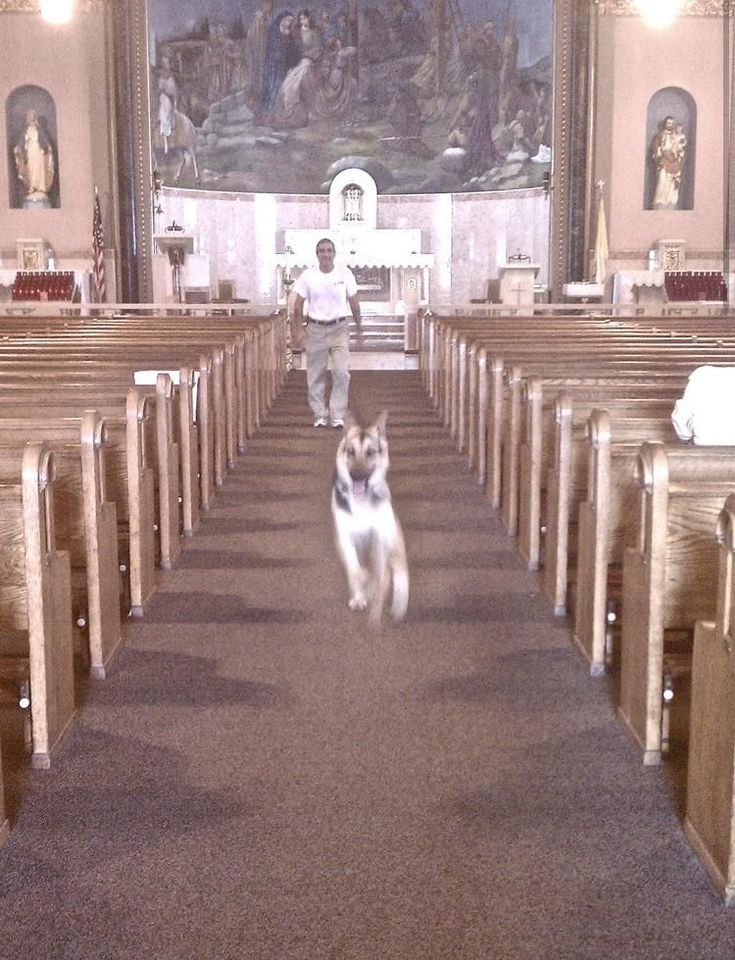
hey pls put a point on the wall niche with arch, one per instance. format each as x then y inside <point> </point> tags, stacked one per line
<point>33,162</point>
<point>671,134</point>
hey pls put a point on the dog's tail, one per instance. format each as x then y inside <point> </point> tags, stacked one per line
<point>399,603</point>
<point>400,593</point>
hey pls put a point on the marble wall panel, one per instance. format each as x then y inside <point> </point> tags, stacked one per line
<point>468,234</point>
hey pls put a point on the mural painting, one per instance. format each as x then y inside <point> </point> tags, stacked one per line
<point>427,96</point>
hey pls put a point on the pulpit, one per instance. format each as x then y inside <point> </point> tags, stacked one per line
<point>172,247</point>
<point>517,279</point>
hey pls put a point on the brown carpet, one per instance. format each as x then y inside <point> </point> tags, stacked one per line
<point>261,776</point>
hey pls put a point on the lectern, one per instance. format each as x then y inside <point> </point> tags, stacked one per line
<point>517,282</point>
<point>175,246</point>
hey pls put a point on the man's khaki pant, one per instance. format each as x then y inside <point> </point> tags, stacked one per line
<point>323,344</point>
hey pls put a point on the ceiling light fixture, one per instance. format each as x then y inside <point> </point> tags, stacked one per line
<point>659,13</point>
<point>57,11</point>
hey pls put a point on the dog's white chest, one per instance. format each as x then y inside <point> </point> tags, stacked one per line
<point>365,517</point>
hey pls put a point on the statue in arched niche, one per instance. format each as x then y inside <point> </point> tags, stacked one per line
<point>668,150</point>
<point>34,160</point>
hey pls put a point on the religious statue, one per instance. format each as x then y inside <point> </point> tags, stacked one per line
<point>667,152</point>
<point>34,161</point>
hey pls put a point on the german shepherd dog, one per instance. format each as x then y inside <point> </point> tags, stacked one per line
<point>368,535</point>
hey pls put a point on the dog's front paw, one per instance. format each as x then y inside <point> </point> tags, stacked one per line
<point>357,602</point>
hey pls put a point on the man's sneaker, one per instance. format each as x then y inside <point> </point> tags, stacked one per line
<point>320,422</point>
<point>337,423</point>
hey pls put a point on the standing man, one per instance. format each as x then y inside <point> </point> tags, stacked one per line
<point>331,293</point>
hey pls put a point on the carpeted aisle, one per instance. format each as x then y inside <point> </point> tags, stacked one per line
<point>262,776</point>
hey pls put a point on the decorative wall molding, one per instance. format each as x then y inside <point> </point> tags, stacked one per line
<point>572,103</point>
<point>689,8</point>
<point>34,6</point>
<point>642,255</point>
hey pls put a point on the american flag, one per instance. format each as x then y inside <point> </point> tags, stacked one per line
<point>98,249</point>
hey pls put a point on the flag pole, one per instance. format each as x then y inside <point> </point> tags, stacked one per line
<point>98,250</point>
<point>601,243</point>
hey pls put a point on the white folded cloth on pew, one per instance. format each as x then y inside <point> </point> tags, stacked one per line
<point>144,377</point>
<point>704,414</point>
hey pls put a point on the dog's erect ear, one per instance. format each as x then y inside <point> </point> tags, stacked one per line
<point>350,420</point>
<point>381,422</point>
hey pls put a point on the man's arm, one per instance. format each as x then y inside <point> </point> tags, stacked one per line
<point>356,314</point>
<point>297,323</point>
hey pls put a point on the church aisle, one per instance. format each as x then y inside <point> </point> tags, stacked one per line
<point>263,776</point>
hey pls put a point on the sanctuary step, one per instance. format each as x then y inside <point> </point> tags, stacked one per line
<point>383,333</point>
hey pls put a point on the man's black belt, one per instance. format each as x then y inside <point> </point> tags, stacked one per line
<point>327,323</point>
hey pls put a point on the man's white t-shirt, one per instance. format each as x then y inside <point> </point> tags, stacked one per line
<point>326,293</point>
<point>706,412</point>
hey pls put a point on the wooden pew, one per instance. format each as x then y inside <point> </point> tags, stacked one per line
<point>86,523</point>
<point>254,348</point>
<point>129,485</point>
<point>607,518</point>
<point>580,464</point>
<point>529,344</point>
<point>508,444</point>
<point>505,396</point>
<point>70,399</point>
<point>547,443</point>
<point>668,575</point>
<point>527,348</point>
<point>200,433</point>
<point>35,602</point>
<point>709,823</point>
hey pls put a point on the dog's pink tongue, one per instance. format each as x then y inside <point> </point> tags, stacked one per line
<point>359,487</point>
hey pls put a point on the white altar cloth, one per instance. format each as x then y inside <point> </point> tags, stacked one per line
<point>625,280</point>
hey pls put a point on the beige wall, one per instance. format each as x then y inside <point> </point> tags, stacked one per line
<point>69,62</point>
<point>634,61</point>
<point>465,233</point>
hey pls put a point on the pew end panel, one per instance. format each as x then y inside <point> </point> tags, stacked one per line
<point>4,821</point>
<point>48,578</point>
<point>668,576</point>
<point>141,504</point>
<point>509,452</point>
<point>85,521</point>
<point>566,484</point>
<point>530,466</point>
<point>709,821</point>
<point>494,432</point>
<point>101,528</point>
<point>187,432</point>
<point>168,452</point>
<point>35,601</point>
<point>605,526</point>
<point>205,425</point>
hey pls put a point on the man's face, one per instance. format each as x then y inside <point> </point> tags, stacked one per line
<point>325,256</point>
